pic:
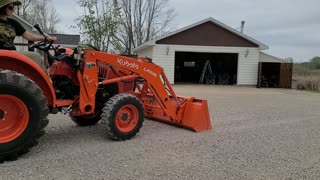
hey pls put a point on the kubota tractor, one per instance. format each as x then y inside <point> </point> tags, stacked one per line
<point>90,86</point>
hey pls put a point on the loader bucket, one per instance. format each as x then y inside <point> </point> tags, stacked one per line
<point>192,114</point>
<point>196,115</point>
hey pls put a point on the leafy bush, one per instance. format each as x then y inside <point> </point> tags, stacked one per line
<point>315,63</point>
<point>302,70</point>
<point>311,68</point>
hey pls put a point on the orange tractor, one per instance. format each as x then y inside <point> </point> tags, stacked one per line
<point>90,86</point>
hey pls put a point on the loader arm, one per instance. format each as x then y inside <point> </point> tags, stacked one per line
<point>150,72</point>
<point>159,99</point>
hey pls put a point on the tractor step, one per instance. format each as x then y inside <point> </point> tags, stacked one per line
<point>64,102</point>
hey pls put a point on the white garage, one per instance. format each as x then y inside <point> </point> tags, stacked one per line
<point>206,52</point>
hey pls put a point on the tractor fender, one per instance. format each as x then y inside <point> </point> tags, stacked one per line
<point>14,61</point>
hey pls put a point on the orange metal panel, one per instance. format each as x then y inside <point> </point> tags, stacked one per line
<point>15,61</point>
<point>64,103</point>
<point>124,78</point>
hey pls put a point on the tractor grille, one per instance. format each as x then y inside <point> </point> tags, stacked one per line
<point>103,69</point>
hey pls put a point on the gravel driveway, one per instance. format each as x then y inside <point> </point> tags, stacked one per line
<point>258,134</point>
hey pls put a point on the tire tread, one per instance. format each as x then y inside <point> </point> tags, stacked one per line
<point>7,76</point>
<point>107,120</point>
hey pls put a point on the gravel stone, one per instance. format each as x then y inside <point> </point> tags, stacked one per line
<point>257,134</point>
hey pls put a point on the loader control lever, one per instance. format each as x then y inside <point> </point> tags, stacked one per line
<point>38,28</point>
<point>43,45</point>
<point>40,31</point>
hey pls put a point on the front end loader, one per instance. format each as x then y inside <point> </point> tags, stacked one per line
<point>91,86</point>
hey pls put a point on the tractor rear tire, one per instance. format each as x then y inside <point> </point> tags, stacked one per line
<point>122,117</point>
<point>23,115</point>
<point>87,120</point>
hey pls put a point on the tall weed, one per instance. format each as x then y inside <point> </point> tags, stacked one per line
<point>310,83</point>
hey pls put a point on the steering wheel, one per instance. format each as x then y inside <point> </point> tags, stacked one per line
<point>42,45</point>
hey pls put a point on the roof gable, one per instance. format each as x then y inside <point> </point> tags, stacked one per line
<point>264,57</point>
<point>207,34</point>
<point>218,23</point>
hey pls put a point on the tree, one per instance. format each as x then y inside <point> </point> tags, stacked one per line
<point>45,15</point>
<point>99,23</point>
<point>142,20</point>
<point>315,63</point>
<point>40,12</point>
<point>23,8</point>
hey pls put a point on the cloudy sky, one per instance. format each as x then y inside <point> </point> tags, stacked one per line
<point>291,28</point>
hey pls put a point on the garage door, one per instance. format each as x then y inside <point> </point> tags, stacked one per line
<point>206,68</point>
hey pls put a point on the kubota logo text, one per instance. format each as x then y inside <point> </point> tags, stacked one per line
<point>150,72</point>
<point>128,64</point>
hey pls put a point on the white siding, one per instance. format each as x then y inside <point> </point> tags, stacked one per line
<point>248,66</point>
<point>19,39</point>
<point>164,55</point>
<point>147,52</point>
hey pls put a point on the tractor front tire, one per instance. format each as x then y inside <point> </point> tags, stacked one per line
<point>122,117</point>
<point>23,114</point>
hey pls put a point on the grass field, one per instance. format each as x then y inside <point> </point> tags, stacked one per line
<point>307,79</point>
